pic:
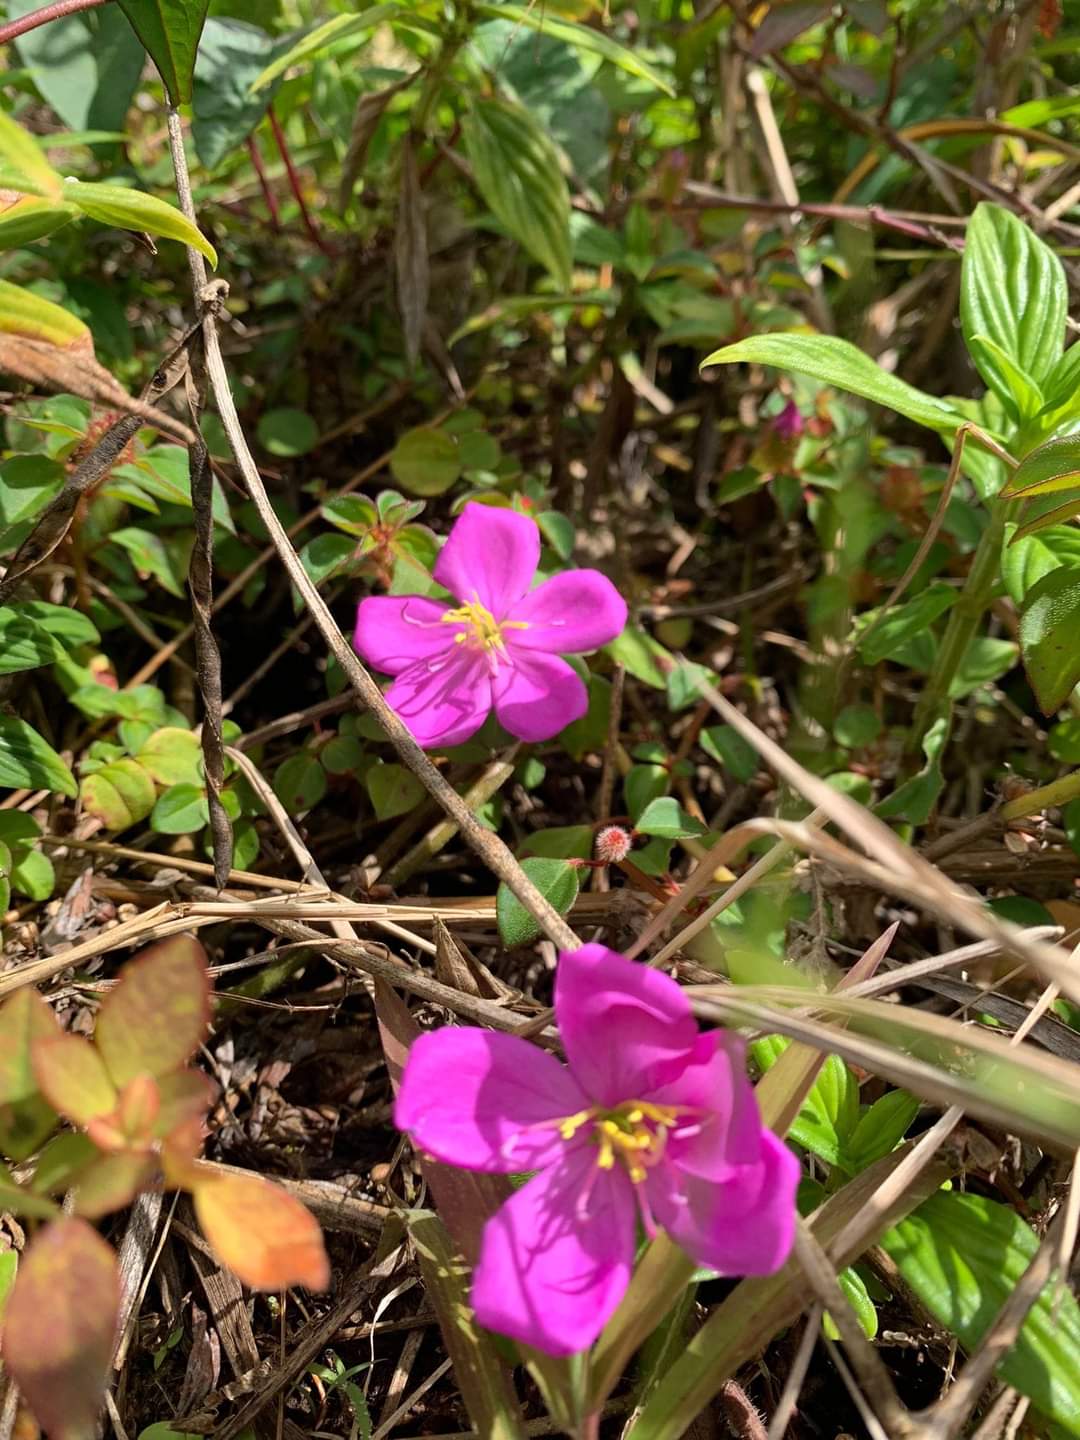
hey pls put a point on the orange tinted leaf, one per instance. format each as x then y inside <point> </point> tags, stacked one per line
<point>157,1016</point>
<point>61,1325</point>
<point>269,1239</point>
<point>112,1182</point>
<point>138,1109</point>
<point>73,1078</point>
<point>25,1117</point>
<point>186,1095</point>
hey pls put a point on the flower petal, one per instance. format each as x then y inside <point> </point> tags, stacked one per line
<point>569,613</point>
<point>393,632</point>
<point>721,1131</point>
<point>443,701</point>
<point>555,1260</point>
<point>471,1097</point>
<point>625,1028</point>
<point>745,1226</point>
<point>537,695</point>
<point>491,555</point>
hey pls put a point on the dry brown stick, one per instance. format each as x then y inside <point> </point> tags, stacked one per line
<point>789,1396</point>
<point>490,849</point>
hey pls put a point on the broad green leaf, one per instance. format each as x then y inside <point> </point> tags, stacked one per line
<point>326,555</point>
<point>135,210</point>
<point>29,762</point>
<point>69,628</point>
<point>560,842</point>
<point>964,1255</point>
<point>642,784</point>
<point>61,1326</point>
<point>854,1287</point>
<point>729,749</point>
<point>394,790</point>
<point>1013,291</point>
<point>287,432</point>
<point>259,1231</point>
<point>341,27</point>
<point>581,36</point>
<point>1049,628</point>
<point>22,313</point>
<point>27,484</point>
<point>181,809</point>
<point>170,30</point>
<point>26,218</point>
<point>557,881</point>
<point>157,1016</point>
<point>150,556</point>
<point>517,170</point>
<point>22,155</point>
<point>300,782</point>
<point>224,112</point>
<point>24,645</point>
<point>426,461</point>
<point>915,799</point>
<point>120,794</point>
<point>1062,381</point>
<point>86,66</point>
<point>841,364</point>
<point>172,756</point>
<point>32,875</point>
<point>666,818</point>
<point>1047,469</point>
<point>71,1075</point>
<point>1024,562</point>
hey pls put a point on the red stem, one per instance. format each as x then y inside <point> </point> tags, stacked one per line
<point>268,194</point>
<point>56,11</point>
<point>294,184</point>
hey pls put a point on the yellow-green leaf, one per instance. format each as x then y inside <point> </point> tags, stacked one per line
<point>22,313</point>
<point>24,161</point>
<point>339,28</point>
<point>156,1018</point>
<point>135,210</point>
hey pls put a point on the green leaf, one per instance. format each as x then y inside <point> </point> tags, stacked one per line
<point>120,794</point>
<point>393,790</point>
<point>29,762</point>
<point>32,875</point>
<point>150,556</point>
<point>1013,291</point>
<point>1047,469</point>
<point>728,747</point>
<point>561,842</point>
<point>24,157</point>
<point>854,1287</point>
<point>916,797</point>
<point>1048,630</point>
<point>224,112</point>
<point>326,555</point>
<point>172,756</point>
<point>300,782</point>
<point>963,1256</point>
<point>180,810</point>
<point>642,784</point>
<point>1024,562</point>
<point>580,36</point>
<point>287,432</point>
<point>170,30</point>
<point>341,27</point>
<point>27,484</point>
<point>85,66</point>
<point>517,170</point>
<point>841,364</point>
<point>666,818</point>
<point>426,461</point>
<point>1019,393</point>
<point>24,645</point>
<point>128,209</point>
<point>9,1264</point>
<point>24,313</point>
<point>556,880</point>
<point>25,1117</point>
<point>901,622</point>
<point>881,1129</point>
<point>830,1112</point>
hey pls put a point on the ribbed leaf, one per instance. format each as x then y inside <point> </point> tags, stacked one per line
<point>1047,469</point>
<point>517,170</point>
<point>1048,630</point>
<point>582,37</point>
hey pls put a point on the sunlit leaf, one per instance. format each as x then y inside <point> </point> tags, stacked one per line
<point>61,1324</point>
<point>156,1018</point>
<point>73,1078</point>
<point>581,36</point>
<point>128,209</point>
<point>259,1231</point>
<point>25,1116</point>
<point>170,30</point>
<point>23,313</point>
<point>341,27</point>
<point>120,794</point>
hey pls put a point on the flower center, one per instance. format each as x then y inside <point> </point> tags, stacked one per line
<point>484,632</point>
<point>634,1133</point>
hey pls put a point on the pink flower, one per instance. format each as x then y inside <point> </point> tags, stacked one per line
<point>789,423</point>
<point>499,646</point>
<point>652,1118</point>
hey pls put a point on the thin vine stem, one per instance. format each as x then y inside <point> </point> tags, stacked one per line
<point>56,11</point>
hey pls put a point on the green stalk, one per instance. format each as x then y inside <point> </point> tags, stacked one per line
<point>964,621</point>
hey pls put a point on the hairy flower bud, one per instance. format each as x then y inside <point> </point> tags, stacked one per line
<point>612,844</point>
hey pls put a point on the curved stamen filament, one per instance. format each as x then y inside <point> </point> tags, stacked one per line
<point>482,630</point>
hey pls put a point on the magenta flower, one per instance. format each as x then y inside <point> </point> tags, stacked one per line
<point>789,424</point>
<point>500,645</point>
<point>652,1119</point>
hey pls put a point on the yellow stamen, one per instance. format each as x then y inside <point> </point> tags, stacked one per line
<point>485,632</point>
<point>634,1133</point>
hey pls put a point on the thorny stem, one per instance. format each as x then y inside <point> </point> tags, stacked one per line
<point>491,850</point>
<point>56,11</point>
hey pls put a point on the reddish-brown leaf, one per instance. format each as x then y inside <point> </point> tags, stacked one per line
<point>156,1018</point>
<point>73,1078</point>
<point>269,1239</point>
<point>186,1095</point>
<point>25,1116</point>
<point>61,1325</point>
